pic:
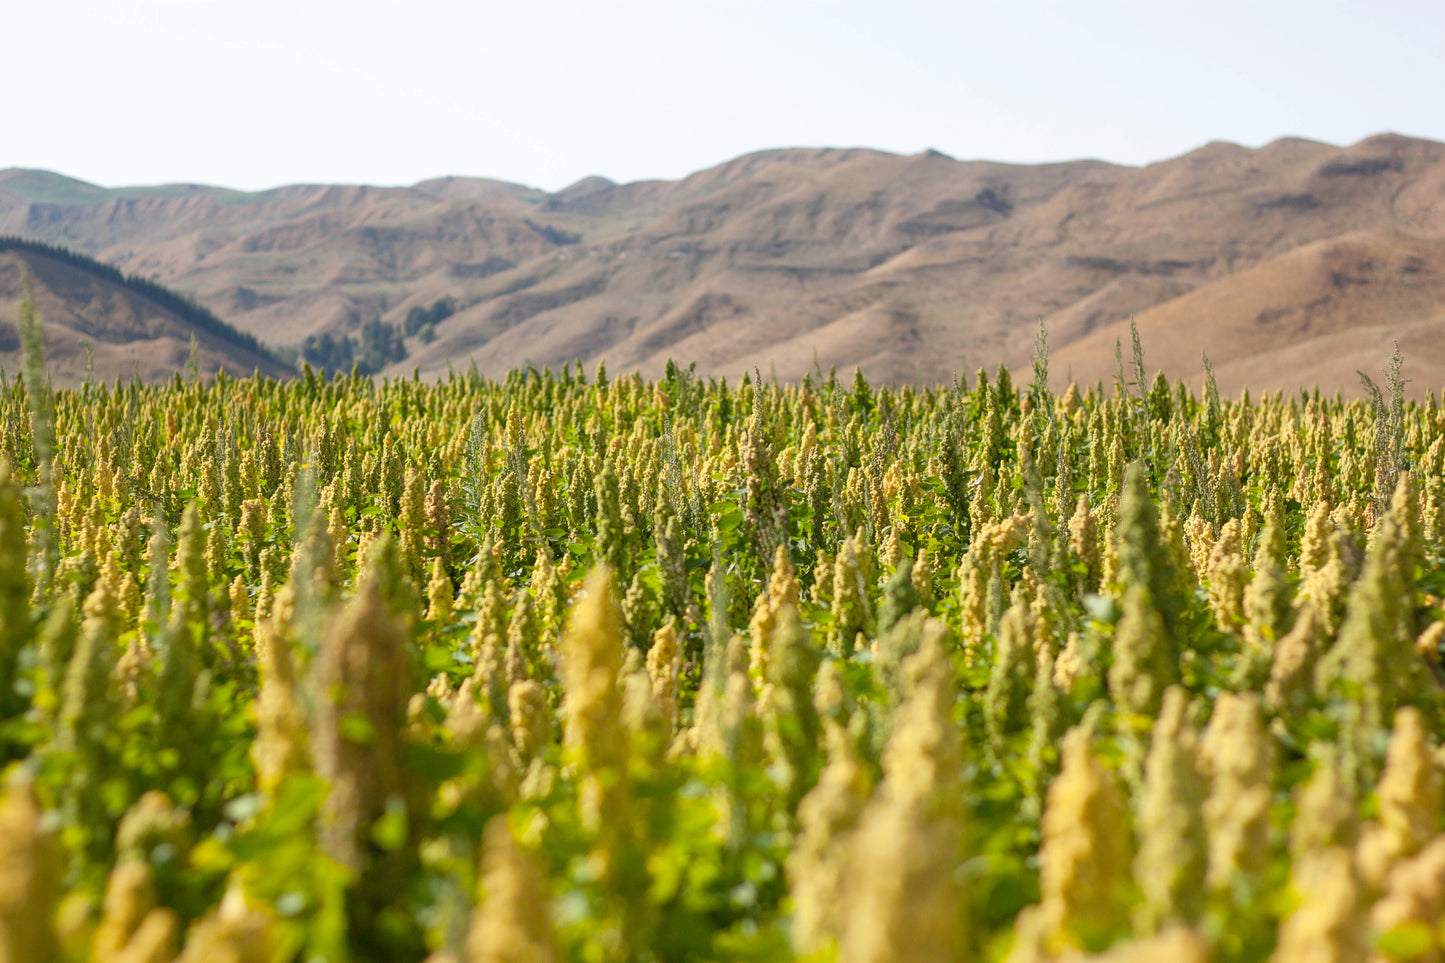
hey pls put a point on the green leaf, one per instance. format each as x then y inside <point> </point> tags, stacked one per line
<point>1408,941</point>
<point>390,831</point>
<point>355,727</point>
<point>437,658</point>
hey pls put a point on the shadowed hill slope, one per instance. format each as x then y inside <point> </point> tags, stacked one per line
<point>97,325</point>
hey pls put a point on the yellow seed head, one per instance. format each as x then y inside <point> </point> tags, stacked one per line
<point>591,663</point>
<point>235,932</point>
<point>1414,894</point>
<point>123,933</point>
<point>1292,667</point>
<point>1409,795</point>
<point>1238,755</point>
<point>439,594</point>
<point>531,718</point>
<point>364,671</point>
<point>904,901</point>
<point>1172,851</point>
<point>30,873</point>
<point>1328,925</point>
<point>153,821</point>
<point>1084,856</point>
<point>591,652</point>
<point>663,662</point>
<point>818,866</point>
<point>512,924</point>
<point>281,744</point>
<point>1326,814</point>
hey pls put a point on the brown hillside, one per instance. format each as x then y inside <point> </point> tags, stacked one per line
<point>913,267</point>
<point>126,333</point>
<point>1313,316</point>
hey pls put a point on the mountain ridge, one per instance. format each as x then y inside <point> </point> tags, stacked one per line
<point>913,266</point>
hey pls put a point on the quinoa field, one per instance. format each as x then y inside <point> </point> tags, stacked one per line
<point>575,666</point>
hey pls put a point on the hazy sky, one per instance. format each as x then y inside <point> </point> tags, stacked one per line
<point>256,93</point>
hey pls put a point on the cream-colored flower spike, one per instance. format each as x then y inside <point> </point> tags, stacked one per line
<point>903,900</point>
<point>531,719</point>
<point>1238,755</point>
<point>1326,813</point>
<point>364,669</point>
<point>281,744</point>
<point>1084,856</point>
<point>439,594</point>
<point>783,589</point>
<point>1414,896</point>
<point>1328,926</point>
<point>1291,671</point>
<point>235,932</point>
<point>512,924</point>
<point>1170,865</point>
<point>664,660</point>
<point>1410,800</point>
<point>827,818</point>
<point>29,880</point>
<point>597,743</point>
<point>132,929</point>
<point>1143,664</point>
<point>1227,576</point>
<point>1175,945</point>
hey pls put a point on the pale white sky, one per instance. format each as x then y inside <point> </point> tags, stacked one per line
<point>257,93</point>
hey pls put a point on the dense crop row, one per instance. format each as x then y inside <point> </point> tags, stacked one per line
<point>566,667</point>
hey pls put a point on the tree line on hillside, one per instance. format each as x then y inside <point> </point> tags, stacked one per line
<point>421,322</point>
<point>180,305</point>
<point>379,343</point>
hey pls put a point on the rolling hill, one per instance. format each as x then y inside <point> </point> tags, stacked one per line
<point>102,325</point>
<point>1290,264</point>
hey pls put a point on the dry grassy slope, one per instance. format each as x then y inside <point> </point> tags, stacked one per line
<point>1314,315</point>
<point>917,267</point>
<point>914,267</point>
<point>126,333</point>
